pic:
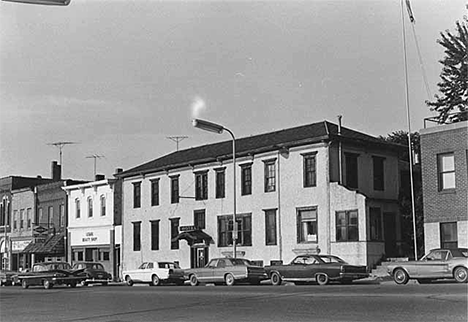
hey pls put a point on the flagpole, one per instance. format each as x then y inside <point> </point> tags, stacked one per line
<point>408,117</point>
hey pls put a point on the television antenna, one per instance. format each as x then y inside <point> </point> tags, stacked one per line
<point>177,139</point>
<point>95,157</point>
<point>60,145</point>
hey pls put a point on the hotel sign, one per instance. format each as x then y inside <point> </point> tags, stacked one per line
<point>188,228</point>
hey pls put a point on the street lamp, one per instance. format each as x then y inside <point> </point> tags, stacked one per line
<point>43,2</point>
<point>216,128</point>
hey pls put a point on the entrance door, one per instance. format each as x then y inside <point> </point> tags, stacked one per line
<point>390,234</point>
<point>198,256</point>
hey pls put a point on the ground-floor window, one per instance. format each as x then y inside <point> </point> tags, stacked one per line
<point>244,230</point>
<point>270,227</point>
<point>448,235</point>
<point>375,217</point>
<point>307,225</point>
<point>347,225</point>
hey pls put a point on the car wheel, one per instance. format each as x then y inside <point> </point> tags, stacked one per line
<point>193,280</point>
<point>400,276</point>
<point>155,281</point>
<point>229,279</point>
<point>24,284</point>
<point>47,284</point>
<point>460,274</point>
<point>129,281</point>
<point>321,278</point>
<point>275,279</point>
<point>73,284</point>
<point>83,283</point>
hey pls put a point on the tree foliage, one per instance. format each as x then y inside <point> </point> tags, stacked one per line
<point>451,104</point>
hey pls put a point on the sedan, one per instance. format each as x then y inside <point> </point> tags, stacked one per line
<point>316,268</point>
<point>7,277</point>
<point>227,270</point>
<point>95,273</point>
<point>438,263</point>
<point>155,273</point>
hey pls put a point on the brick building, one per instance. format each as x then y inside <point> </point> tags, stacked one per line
<point>444,154</point>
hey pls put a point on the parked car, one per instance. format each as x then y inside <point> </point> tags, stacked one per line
<point>155,273</point>
<point>7,277</point>
<point>95,273</point>
<point>50,274</point>
<point>316,268</point>
<point>438,263</point>
<point>227,270</point>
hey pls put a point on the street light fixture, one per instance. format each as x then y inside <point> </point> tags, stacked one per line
<point>216,128</point>
<point>43,2</point>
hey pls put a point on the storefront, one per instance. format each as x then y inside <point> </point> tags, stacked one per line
<point>20,260</point>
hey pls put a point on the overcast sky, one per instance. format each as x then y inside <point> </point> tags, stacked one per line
<point>119,77</point>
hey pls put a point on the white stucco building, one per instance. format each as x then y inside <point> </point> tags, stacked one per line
<point>313,188</point>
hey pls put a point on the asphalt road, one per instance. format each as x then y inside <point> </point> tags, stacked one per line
<point>358,302</point>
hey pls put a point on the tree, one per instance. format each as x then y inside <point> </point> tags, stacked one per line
<point>451,104</point>
<point>404,197</point>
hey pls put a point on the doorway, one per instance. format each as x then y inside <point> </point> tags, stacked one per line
<point>390,234</point>
<point>198,256</point>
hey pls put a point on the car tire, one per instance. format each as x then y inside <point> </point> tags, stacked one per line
<point>24,284</point>
<point>47,284</point>
<point>73,284</point>
<point>400,276</point>
<point>460,274</point>
<point>229,279</point>
<point>193,280</point>
<point>321,279</point>
<point>129,281</point>
<point>155,281</point>
<point>275,279</point>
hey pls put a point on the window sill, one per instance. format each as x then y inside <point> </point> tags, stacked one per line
<point>448,191</point>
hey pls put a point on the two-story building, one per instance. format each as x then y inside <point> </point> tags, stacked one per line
<point>313,188</point>
<point>95,222</point>
<point>444,154</point>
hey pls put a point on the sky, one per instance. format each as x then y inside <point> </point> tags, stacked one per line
<point>120,77</point>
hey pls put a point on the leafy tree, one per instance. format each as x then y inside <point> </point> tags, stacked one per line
<point>404,198</point>
<point>451,104</point>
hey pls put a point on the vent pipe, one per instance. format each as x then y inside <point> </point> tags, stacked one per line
<point>340,152</point>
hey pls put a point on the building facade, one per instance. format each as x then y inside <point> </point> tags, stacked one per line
<point>94,223</point>
<point>444,154</point>
<point>318,188</point>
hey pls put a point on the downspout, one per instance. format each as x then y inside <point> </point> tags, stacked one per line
<point>327,184</point>
<point>340,152</point>
<point>280,236</point>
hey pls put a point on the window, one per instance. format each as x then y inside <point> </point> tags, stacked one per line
<point>77,209</point>
<point>270,227</point>
<point>307,225</point>
<point>351,162</point>
<point>40,216</point>
<point>270,175</point>
<point>246,179</point>
<point>174,232</point>
<point>220,183</point>
<point>378,167</point>
<point>90,207</point>
<point>15,215</point>
<point>199,219</point>
<point>175,189</point>
<point>28,217</point>
<point>201,185</point>
<point>103,205</point>
<point>155,192</point>
<point>50,217</point>
<point>309,170</point>
<point>154,235</point>
<point>62,216</point>
<point>105,256</point>
<point>136,236</point>
<point>136,194</point>
<point>347,226</point>
<point>448,235</point>
<point>244,230</point>
<point>21,221</point>
<point>446,171</point>
<point>375,223</point>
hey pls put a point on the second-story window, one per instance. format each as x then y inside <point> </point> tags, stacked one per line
<point>220,183</point>
<point>378,173</point>
<point>28,216</point>
<point>40,218</point>
<point>155,192</point>
<point>309,170</point>
<point>446,171</point>
<point>201,185</point>
<point>50,217</point>
<point>77,209</point>
<point>270,175</point>
<point>199,219</point>
<point>246,179</point>
<point>62,216</point>
<point>15,219</point>
<point>136,194</point>
<point>103,205</point>
<point>90,207</point>
<point>351,171</point>
<point>22,219</point>
<point>175,189</point>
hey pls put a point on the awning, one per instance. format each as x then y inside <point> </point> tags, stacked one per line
<point>53,245</point>
<point>194,237</point>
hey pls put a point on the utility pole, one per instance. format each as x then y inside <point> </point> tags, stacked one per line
<point>177,139</point>
<point>95,157</point>
<point>60,145</point>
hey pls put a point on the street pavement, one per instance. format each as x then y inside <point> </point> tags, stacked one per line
<point>371,300</point>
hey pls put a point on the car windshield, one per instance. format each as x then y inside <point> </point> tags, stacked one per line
<point>332,259</point>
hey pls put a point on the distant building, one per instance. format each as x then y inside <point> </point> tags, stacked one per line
<point>308,189</point>
<point>95,222</point>
<point>444,154</point>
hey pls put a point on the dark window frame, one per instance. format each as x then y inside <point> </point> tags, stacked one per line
<point>244,230</point>
<point>300,220</point>
<point>199,218</point>
<point>220,183</point>
<point>246,179</point>
<point>442,172</point>
<point>201,185</point>
<point>175,222</point>
<point>378,167</point>
<point>136,236</point>
<point>352,170</point>
<point>155,192</point>
<point>375,224</point>
<point>449,243</point>
<point>154,226</point>
<point>309,169</point>
<point>271,237</point>
<point>344,232</point>
<point>137,194</point>
<point>270,175</point>
<point>175,197</point>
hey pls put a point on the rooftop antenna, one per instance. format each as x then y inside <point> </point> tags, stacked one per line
<point>177,139</point>
<point>60,145</point>
<point>95,157</point>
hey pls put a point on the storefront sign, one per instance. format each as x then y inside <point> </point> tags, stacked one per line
<point>19,245</point>
<point>90,236</point>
